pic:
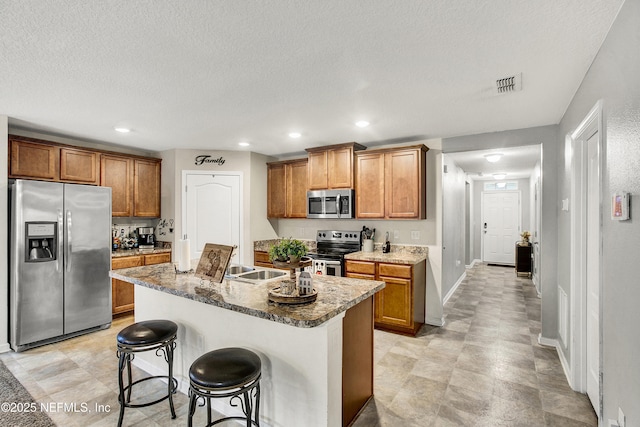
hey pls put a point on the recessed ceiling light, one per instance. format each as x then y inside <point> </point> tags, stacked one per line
<point>122,129</point>
<point>362,123</point>
<point>499,175</point>
<point>243,144</point>
<point>295,135</point>
<point>492,158</point>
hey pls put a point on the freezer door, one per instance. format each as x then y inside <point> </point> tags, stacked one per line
<point>87,261</point>
<point>36,288</point>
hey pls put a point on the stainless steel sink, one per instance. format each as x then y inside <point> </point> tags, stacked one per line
<point>234,270</point>
<point>262,275</point>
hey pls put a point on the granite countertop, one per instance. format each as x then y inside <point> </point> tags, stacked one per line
<point>134,252</point>
<point>335,294</point>
<point>400,254</point>
<point>265,245</point>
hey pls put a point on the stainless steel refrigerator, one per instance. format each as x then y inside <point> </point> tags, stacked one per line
<point>59,257</point>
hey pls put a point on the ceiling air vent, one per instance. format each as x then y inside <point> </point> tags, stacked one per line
<point>509,84</point>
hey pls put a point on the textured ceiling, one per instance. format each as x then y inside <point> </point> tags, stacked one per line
<point>209,74</point>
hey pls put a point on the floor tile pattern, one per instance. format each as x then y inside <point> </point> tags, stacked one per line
<point>483,368</point>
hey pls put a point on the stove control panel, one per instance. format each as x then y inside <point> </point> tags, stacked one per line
<point>338,236</point>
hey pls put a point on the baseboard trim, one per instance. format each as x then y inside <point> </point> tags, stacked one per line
<point>473,263</point>
<point>5,348</point>
<point>435,321</point>
<point>547,342</point>
<point>453,289</point>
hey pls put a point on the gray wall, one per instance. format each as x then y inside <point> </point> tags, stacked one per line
<point>453,224</point>
<point>4,220</point>
<point>614,77</point>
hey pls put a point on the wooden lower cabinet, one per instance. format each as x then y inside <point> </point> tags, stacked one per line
<point>400,306</point>
<point>261,259</point>
<point>122,293</point>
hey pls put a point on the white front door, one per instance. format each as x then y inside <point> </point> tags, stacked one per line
<point>211,210</point>
<point>593,272</point>
<point>500,226</point>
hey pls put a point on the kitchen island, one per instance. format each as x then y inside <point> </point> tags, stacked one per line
<point>317,359</point>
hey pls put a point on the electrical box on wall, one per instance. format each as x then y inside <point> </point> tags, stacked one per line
<point>620,206</point>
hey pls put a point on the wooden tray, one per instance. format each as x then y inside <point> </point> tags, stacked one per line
<point>277,297</point>
<point>304,262</point>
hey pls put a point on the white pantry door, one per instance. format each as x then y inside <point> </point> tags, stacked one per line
<point>211,211</point>
<point>500,226</point>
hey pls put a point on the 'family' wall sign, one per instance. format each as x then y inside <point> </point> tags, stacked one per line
<point>202,159</point>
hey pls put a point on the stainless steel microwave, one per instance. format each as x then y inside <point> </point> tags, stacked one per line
<point>331,204</point>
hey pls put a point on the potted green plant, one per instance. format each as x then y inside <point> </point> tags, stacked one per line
<point>288,249</point>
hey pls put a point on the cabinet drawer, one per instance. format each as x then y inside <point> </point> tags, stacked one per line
<point>363,267</point>
<point>157,258</point>
<point>126,262</point>
<point>394,270</point>
<point>361,276</point>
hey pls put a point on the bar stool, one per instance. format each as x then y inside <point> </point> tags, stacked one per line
<point>227,372</point>
<point>158,335</point>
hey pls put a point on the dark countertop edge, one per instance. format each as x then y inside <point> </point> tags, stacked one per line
<point>253,312</point>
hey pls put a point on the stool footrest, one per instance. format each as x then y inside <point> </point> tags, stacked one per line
<point>174,389</point>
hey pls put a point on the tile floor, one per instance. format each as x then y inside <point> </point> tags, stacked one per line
<point>483,368</point>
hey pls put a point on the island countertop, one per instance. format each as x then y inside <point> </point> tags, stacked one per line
<point>335,294</point>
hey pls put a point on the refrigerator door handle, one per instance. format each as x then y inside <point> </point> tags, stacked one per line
<point>60,240</point>
<point>67,257</point>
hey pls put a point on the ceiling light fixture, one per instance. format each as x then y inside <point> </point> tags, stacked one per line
<point>362,123</point>
<point>492,158</point>
<point>122,129</point>
<point>499,175</point>
<point>243,144</point>
<point>295,135</point>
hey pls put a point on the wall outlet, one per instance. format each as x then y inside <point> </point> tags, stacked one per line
<point>458,262</point>
<point>415,235</point>
<point>396,234</point>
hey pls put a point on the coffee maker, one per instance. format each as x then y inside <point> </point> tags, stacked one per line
<point>146,238</point>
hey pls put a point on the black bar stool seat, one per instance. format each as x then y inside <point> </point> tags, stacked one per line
<point>158,335</point>
<point>227,372</point>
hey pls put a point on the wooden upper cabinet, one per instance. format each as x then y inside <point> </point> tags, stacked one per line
<point>390,183</point>
<point>80,166</point>
<point>296,189</point>
<point>404,184</point>
<point>370,185</point>
<point>332,166</point>
<point>117,172</point>
<point>146,188</point>
<point>318,171</point>
<point>276,194</point>
<point>287,189</point>
<point>33,160</point>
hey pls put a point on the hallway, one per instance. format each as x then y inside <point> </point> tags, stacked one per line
<point>483,368</point>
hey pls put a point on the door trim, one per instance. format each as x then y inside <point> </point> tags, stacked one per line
<point>183,192</point>
<point>577,339</point>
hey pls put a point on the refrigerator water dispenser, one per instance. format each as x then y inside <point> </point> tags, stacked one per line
<point>41,241</point>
